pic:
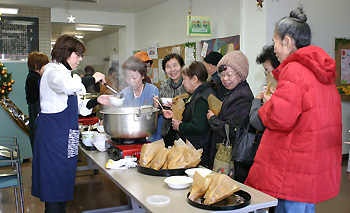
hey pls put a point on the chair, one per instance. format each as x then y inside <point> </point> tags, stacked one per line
<point>11,173</point>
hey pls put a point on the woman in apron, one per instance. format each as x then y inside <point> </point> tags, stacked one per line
<point>57,138</point>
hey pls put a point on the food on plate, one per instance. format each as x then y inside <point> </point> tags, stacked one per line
<point>214,188</point>
<point>149,152</point>
<point>199,187</point>
<point>181,155</point>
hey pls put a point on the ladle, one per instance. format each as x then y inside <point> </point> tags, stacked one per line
<point>113,90</point>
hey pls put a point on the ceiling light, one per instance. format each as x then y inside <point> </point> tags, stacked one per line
<point>8,10</point>
<point>89,27</point>
<point>79,36</point>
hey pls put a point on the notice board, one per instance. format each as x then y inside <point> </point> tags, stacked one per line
<point>157,65</point>
<point>342,51</point>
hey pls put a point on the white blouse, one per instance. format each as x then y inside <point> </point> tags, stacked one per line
<point>55,85</point>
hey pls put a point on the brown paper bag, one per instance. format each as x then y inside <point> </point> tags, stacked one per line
<point>221,187</point>
<point>200,186</point>
<point>149,151</point>
<point>178,109</point>
<point>159,160</point>
<point>214,104</point>
<point>174,156</point>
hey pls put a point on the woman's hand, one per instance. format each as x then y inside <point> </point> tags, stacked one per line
<point>104,100</point>
<point>168,114</point>
<point>176,124</point>
<point>209,114</point>
<point>98,77</point>
<point>266,98</point>
<point>156,101</point>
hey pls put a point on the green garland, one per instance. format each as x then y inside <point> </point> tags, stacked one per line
<point>5,81</point>
<point>344,42</point>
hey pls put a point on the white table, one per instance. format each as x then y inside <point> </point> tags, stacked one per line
<point>139,186</point>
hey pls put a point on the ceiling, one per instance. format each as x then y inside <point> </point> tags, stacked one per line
<point>119,6</point>
<point>58,29</point>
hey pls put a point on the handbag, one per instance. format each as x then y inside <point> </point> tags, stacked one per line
<point>223,158</point>
<point>247,141</point>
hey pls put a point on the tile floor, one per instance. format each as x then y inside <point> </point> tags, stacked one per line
<point>98,191</point>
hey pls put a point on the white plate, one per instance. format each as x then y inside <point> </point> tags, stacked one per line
<point>202,171</point>
<point>158,199</point>
<point>178,182</point>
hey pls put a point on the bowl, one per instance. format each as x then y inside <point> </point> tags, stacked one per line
<point>178,182</point>
<point>166,100</point>
<point>100,129</point>
<point>100,146</point>
<point>202,171</point>
<point>116,101</point>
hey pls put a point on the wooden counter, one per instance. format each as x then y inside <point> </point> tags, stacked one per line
<point>139,186</point>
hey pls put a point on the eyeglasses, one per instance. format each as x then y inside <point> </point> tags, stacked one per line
<point>229,74</point>
<point>79,55</point>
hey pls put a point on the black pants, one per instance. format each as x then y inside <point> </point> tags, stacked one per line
<point>55,207</point>
<point>241,172</point>
<point>170,138</point>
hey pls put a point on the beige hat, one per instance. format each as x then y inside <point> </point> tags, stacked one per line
<point>238,62</point>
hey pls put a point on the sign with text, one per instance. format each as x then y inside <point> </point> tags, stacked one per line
<point>198,26</point>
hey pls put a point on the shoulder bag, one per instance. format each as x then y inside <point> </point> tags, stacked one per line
<point>246,144</point>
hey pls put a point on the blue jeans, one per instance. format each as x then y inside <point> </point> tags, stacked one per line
<point>287,206</point>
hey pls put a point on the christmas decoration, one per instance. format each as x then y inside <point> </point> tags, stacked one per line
<point>5,81</point>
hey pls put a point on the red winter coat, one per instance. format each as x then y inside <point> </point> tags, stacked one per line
<point>299,157</point>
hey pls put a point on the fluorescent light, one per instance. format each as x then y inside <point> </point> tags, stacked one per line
<point>8,10</point>
<point>89,27</point>
<point>79,36</point>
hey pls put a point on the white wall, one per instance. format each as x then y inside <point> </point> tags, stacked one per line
<point>99,49</point>
<point>166,24</point>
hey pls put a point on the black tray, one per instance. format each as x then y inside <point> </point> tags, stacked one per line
<point>161,172</point>
<point>228,203</point>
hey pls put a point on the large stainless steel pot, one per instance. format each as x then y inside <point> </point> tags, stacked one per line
<point>131,122</point>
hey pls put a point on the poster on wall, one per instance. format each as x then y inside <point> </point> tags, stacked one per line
<point>198,26</point>
<point>152,50</point>
<point>345,66</point>
<point>19,36</point>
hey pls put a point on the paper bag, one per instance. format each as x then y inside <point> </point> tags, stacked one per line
<point>214,104</point>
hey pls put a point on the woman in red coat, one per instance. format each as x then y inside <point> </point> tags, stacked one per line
<point>299,157</point>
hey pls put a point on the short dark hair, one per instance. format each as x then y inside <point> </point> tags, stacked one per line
<point>171,56</point>
<point>268,54</point>
<point>296,27</point>
<point>198,69</point>
<point>111,70</point>
<point>36,60</point>
<point>135,64</point>
<point>65,45</point>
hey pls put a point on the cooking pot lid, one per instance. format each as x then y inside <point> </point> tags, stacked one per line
<point>129,110</point>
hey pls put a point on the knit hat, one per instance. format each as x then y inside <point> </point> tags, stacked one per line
<point>143,56</point>
<point>213,58</point>
<point>237,61</point>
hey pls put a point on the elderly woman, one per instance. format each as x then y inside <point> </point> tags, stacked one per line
<point>57,137</point>
<point>170,88</point>
<point>138,92</point>
<point>194,125</point>
<point>269,61</point>
<point>233,71</point>
<point>299,157</point>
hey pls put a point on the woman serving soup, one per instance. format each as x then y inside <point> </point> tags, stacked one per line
<point>138,92</point>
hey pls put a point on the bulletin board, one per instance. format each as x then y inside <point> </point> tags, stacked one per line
<point>342,47</point>
<point>162,52</point>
